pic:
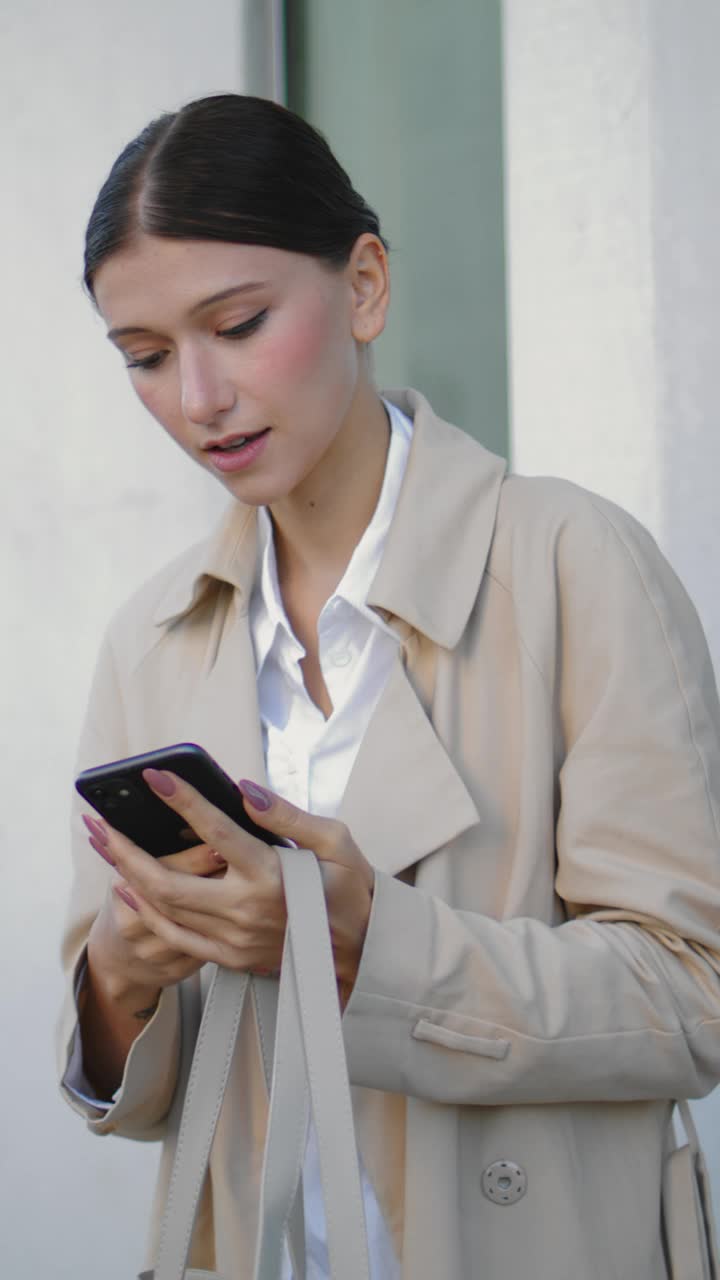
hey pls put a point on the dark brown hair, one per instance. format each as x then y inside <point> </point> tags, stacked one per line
<point>233,168</point>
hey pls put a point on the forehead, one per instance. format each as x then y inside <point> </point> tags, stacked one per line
<point>158,276</point>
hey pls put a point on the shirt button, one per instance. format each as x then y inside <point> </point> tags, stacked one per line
<point>504,1182</point>
<point>341,658</point>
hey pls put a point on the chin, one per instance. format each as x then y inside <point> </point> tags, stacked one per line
<point>256,492</point>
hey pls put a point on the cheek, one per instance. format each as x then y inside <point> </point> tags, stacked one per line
<point>157,401</point>
<point>311,345</point>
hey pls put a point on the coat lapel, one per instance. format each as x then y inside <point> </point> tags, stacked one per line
<point>404,797</point>
<point>223,714</point>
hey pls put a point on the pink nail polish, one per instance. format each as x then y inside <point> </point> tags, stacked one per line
<point>259,798</point>
<point>95,828</point>
<point>160,781</point>
<point>102,851</point>
<point>127,898</point>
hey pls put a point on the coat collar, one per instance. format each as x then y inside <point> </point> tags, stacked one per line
<point>439,540</point>
<point>228,555</point>
<point>436,549</point>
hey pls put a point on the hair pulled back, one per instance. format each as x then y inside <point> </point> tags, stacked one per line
<point>234,168</point>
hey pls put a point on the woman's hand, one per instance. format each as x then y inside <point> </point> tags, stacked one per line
<point>124,956</point>
<point>238,919</point>
<point>127,968</point>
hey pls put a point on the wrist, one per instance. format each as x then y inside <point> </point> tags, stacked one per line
<point>347,970</point>
<point>109,986</point>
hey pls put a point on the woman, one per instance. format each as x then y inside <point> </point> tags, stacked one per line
<point>484,702</point>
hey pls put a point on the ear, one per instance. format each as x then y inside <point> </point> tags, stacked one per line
<point>369,276</point>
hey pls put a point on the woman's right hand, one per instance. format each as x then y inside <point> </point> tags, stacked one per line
<point>127,969</point>
<point>123,955</point>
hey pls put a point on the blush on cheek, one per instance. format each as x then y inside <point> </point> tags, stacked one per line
<point>305,346</point>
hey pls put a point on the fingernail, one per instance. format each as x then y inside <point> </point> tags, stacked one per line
<point>99,849</point>
<point>258,796</point>
<point>127,897</point>
<point>95,828</point>
<point>217,857</point>
<point>160,781</point>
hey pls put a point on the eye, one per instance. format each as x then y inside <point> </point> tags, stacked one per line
<point>247,327</point>
<point>147,362</point>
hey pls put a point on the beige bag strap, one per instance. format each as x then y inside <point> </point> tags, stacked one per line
<point>308,1047</point>
<point>325,1065</point>
<point>203,1099</point>
<point>286,1129</point>
<point>266,995</point>
<point>687,1209</point>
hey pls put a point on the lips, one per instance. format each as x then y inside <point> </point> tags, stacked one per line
<point>234,441</point>
<point>237,452</point>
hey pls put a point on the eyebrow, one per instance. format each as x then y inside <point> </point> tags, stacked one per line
<point>250,287</point>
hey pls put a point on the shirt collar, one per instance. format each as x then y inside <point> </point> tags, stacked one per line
<point>267,612</point>
<point>436,548</point>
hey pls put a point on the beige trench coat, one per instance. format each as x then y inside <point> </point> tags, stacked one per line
<point>545,762</point>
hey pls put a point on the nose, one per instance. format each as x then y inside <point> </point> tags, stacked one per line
<point>206,391</point>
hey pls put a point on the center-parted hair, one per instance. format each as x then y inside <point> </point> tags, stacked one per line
<point>234,168</point>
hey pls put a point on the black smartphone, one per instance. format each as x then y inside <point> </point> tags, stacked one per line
<point>120,794</point>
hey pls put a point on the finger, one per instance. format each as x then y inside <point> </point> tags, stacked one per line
<point>167,888</point>
<point>200,859</point>
<point>146,912</point>
<point>97,839</point>
<point>146,873</point>
<point>213,826</point>
<point>180,938</point>
<point>329,839</point>
<point>121,891</point>
<point>233,944</point>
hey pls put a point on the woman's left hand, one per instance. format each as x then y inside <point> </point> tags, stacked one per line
<point>237,919</point>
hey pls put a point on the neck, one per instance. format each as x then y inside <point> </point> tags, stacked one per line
<point>319,525</point>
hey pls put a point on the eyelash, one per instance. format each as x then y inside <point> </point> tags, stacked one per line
<point>238,331</point>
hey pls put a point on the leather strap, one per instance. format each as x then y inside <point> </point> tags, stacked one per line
<point>203,1099</point>
<point>687,1208</point>
<point>265,995</point>
<point>286,1130</point>
<point>326,1065</point>
<point>309,1067</point>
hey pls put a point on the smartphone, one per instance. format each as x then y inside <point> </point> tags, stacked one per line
<point>120,794</point>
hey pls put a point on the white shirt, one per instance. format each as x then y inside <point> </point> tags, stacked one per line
<point>309,759</point>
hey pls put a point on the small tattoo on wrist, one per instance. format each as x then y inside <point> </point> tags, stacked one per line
<point>144,1015</point>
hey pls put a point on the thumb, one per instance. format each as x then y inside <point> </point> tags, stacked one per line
<point>328,839</point>
<point>279,816</point>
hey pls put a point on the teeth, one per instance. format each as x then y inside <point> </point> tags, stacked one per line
<point>236,444</point>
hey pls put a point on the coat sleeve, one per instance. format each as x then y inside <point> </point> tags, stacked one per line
<point>143,1100</point>
<point>621,1001</point>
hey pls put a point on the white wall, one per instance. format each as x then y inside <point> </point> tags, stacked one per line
<point>613,204</point>
<point>93,497</point>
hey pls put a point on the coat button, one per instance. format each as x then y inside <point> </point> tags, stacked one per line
<point>504,1182</point>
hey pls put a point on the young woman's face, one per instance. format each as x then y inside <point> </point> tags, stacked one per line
<point>226,342</point>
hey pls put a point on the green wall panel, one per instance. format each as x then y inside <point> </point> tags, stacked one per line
<point>409,95</point>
